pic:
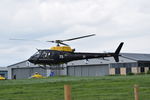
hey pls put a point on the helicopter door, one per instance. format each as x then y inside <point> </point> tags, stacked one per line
<point>52,55</point>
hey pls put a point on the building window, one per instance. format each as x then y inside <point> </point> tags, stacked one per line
<point>117,70</point>
<point>142,69</point>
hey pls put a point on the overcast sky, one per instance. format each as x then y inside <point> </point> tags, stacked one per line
<point>113,21</point>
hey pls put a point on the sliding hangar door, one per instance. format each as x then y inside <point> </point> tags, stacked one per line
<point>88,70</point>
<point>23,73</point>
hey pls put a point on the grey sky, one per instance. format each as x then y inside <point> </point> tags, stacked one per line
<point>112,21</point>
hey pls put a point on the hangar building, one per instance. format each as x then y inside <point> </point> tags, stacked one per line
<point>129,63</point>
<point>25,69</point>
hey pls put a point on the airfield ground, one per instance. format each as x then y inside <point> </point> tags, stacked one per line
<point>83,88</point>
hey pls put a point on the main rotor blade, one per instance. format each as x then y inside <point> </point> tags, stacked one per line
<point>64,44</point>
<point>78,37</point>
<point>23,39</point>
<point>51,41</point>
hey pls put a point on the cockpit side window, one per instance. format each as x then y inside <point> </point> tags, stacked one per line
<point>46,54</point>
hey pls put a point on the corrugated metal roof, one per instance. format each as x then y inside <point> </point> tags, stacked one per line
<point>17,63</point>
<point>137,56</point>
<point>3,68</point>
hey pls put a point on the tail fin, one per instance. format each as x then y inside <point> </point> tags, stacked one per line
<point>116,54</point>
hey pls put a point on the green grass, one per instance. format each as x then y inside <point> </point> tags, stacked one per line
<point>83,88</point>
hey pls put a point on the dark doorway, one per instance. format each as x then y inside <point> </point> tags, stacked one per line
<point>142,69</point>
<point>128,70</point>
<point>117,70</point>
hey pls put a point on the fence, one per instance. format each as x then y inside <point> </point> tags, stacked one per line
<point>133,96</point>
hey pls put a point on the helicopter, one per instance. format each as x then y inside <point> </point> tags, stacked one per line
<point>63,53</point>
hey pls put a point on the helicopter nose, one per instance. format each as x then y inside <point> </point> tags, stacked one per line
<point>32,60</point>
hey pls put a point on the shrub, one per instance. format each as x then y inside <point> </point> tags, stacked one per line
<point>142,73</point>
<point>148,72</point>
<point>130,73</point>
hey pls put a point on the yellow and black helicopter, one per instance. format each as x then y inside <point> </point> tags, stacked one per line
<point>64,54</point>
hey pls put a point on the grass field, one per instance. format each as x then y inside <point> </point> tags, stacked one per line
<point>83,88</point>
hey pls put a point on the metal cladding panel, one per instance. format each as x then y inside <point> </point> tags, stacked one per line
<point>85,71</point>
<point>103,70</point>
<point>92,71</point>
<point>20,74</point>
<point>95,70</point>
<point>71,71</point>
<point>23,73</point>
<point>99,70</point>
<point>78,71</point>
